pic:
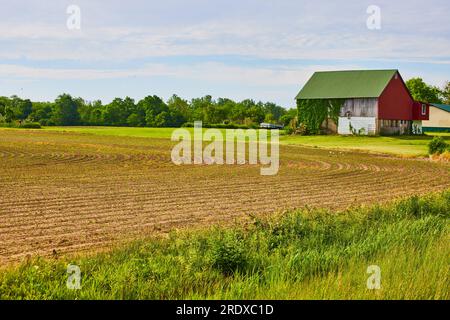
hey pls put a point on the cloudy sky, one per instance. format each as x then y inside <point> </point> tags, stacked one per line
<point>258,49</point>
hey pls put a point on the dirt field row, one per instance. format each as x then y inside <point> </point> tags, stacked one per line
<point>67,192</point>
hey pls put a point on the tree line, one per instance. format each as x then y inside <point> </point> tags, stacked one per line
<point>424,92</point>
<point>151,111</point>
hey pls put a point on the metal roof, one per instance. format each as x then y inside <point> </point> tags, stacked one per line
<point>444,107</point>
<point>346,84</point>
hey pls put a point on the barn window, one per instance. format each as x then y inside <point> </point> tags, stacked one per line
<point>424,109</point>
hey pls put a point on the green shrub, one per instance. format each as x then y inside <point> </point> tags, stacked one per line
<point>228,253</point>
<point>30,125</point>
<point>437,145</point>
<point>221,126</point>
<point>25,125</point>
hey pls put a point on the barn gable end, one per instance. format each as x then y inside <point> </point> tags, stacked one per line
<point>395,103</point>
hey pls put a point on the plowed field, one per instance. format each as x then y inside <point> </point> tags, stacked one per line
<point>67,192</point>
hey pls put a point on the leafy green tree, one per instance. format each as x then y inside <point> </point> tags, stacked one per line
<point>2,110</point>
<point>276,111</point>
<point>269,118</point>
<point>149,108</point>
<point>446,93</point>
<point>65,111</point>
<point>42,112</point>
<point>96,114</point>
<point>134,120</point>
<point>200,108</point>
<point>179,108</point>
<point>85,110</point>
<point>162,119</point>
<point>176,118</point>
<point>254,113</point>
<point>8,114</point>
<point>129,107</point>
<point>117,112</point>
<point>288,117</point>
<point>215,113</point>
<point>228,106</point>
<point>421,91</point>
<point>21,108</point>
<point>238,113</point>
<point>150,118</point>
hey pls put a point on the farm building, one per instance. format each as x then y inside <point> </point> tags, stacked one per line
<point>439,119</point>
<point>360,102</point>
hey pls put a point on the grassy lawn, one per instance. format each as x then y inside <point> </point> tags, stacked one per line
<point>164,133</point>
<point>298,255</point>
<point>404,146</point>
<point>442,134</point>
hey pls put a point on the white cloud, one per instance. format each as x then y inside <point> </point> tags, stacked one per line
<point>227,37</point>
<point>208,71</point>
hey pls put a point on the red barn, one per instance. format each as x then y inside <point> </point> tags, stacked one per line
<point>373,101</point>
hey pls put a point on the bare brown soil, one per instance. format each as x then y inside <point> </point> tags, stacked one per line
<point>66,192</point>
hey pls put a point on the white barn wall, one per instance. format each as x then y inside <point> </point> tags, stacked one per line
<point>358,123</point>
<point>438,118</point>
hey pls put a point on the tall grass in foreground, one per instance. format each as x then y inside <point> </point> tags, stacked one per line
<point>306,254</point>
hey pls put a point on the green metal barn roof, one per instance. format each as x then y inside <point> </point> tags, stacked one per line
<point>346,84</point>
<point>444,107</point>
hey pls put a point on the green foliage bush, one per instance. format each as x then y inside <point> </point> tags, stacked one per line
<point>221,126</point>
<point>437,146</point>
<point>228,253</point>
<point>30,125</point>
<point>24,125</point>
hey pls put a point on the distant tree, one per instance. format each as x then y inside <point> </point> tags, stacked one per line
<point>152,106</point>
<point>65,111</point>
<point>150,118</point>
<point>269,118</point>
<point>201,107</point>
<point>422,91</point>
<point>129,107</point>
<point>117,112</point>
<point>162,119</point>
<point>176,119</point>
<point>134,120</point>
<point>238,113</point>
<point>276,111</point>
<point>254,112</point>
<point>21,108</point>
<point>214,113</point>
<point>42,112</point>
<point>85,111</point>
<point>8,114</point>
<point>96,114</point>
<point>228,107</point>
<point>446,93</point>
<point>2,108</point>
<point>179,109</point>
<point>288,117</point>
